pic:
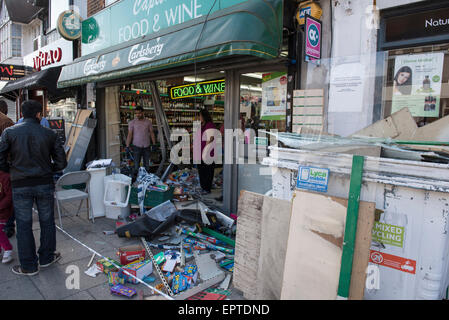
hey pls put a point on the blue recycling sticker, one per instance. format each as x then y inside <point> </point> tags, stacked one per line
<point>314,179</point>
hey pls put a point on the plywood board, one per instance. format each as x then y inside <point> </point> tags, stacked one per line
<point>308,93</point>
<point>275,225</point>
<point>247,243</point>
<point>400,125</point>
<point>313,258</point>
<point>80,119</point>
<point>435,131</point>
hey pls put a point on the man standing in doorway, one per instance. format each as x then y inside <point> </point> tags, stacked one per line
<point>139,132</point>
<point>36,154</point>
<point>6,122</point>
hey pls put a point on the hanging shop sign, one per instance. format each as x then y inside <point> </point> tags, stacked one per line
<point>132,19</point>
<point>10,72</point>
<point>185,44</point>
<point>69,25</point>
<point>199,89</point>
<point>308,8</point>
<point>274,96</point>
<point>312,39</point>
<point>419,25</point>
<point>55,54</point>
<point>417,83</point>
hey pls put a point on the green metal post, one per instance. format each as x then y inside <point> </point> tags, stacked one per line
<point>351,227</point>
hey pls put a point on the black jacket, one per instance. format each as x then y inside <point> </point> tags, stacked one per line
<point>36,154</point>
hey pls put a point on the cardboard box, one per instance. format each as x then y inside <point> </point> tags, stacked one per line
<point>106,267</point>
<point>131,254</point>
<point>139,270</point>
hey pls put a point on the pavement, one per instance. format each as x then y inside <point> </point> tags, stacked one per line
<point>57,281</point>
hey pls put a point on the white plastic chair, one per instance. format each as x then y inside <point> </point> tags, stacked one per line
<point>68,195</point>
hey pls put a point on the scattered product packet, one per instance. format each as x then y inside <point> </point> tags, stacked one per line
<point>159,258</point>
<point>121,290</point>
<point>179,283</point>
<point>115,278</point>
<point>191,274</point>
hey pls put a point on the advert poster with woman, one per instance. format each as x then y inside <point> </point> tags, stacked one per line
<point>417,83</point>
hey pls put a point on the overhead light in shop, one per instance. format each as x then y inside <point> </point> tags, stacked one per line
<point>253,75</point>
<point>251,88</point>
<point>193,79</point>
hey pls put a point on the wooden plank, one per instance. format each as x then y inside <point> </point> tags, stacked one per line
<point>298,111</point>
<point>307,120</point>
<point>308,93</point>
<point>435,131</point>
<point>275,225</point>
<point>80,119</point>
<point>248,239</point>
<point>312,264</point>
<point>308,101</point>
<point>397,126</point>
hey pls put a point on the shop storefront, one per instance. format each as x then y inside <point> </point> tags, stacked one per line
<point>59,105</point>
<point>202,60</point>
<point>413,46</point>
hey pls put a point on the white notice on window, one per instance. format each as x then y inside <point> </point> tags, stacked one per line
<point>346,88</point>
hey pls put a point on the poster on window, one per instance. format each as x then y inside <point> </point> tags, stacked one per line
<point>417,84</point>
<point>274,96</point>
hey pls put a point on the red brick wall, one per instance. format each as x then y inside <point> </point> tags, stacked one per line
<point>93,6</point>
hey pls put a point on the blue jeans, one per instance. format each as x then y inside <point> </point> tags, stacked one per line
<point>23,200</point>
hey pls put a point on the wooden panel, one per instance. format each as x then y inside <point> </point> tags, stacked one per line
<point>313,258</point>
<point>248,239</point>
<point>275,225</point>
<point>307,111</point>
<point>308,93</point>
<point>307,120</point>
<point>113,124</point>
<point>75,130</point>
<point>400,125</point>
<point>315,101</point>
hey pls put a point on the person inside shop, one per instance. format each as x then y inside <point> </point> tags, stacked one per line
<point>140,130</point>
<point>402,83</point>
<point>35,154</point>
<point>206,171</point>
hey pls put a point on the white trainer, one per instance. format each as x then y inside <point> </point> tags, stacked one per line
<point>7,256</point>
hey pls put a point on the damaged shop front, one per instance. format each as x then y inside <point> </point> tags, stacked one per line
<point>186,240</point>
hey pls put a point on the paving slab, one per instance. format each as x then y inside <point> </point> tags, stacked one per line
<point>83,295</point>
<point>21,288</point>
<point>56,282</point>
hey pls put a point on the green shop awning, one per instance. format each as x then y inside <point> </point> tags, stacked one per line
<point>252,28</point>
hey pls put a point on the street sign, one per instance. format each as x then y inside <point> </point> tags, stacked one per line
<point>312,39</point>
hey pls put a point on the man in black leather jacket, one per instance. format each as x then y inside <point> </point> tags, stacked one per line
<point>35,154</point>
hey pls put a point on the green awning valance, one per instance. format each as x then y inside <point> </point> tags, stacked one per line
<point>251,28</point>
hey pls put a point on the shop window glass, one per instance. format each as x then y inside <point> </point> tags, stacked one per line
<point>66,109</point>
<point>417,78</point>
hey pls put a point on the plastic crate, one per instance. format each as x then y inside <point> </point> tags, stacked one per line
<point>152,198</point>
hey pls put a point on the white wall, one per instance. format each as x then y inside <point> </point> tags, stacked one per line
<point>56,7</point>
